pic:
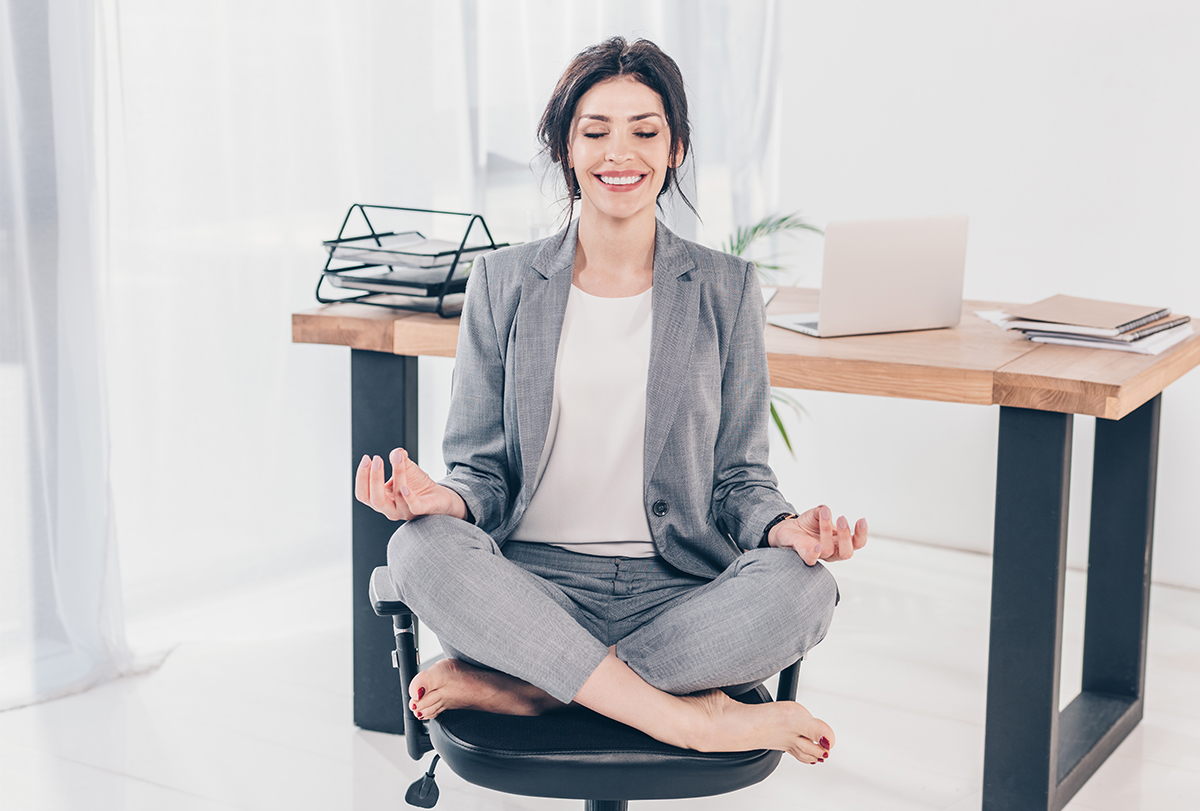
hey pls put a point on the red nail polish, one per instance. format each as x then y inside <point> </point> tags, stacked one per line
<point>420,693</point>
<point>419,714</point>
<point>824,742</point>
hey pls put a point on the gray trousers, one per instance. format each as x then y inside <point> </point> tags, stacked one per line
<point>548,616</point>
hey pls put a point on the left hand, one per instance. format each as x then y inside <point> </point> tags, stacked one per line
<point>815,536</point>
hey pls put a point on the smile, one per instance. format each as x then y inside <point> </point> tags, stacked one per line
<point>621,180</point>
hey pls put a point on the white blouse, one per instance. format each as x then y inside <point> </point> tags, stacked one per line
<point>588,496</point>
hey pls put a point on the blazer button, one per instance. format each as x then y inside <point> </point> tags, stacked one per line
<point>660,508</point>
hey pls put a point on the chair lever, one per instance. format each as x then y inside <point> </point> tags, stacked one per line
<point>424,792</point>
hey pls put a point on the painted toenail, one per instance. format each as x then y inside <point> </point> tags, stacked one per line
<point>420,693</point>
<point>824,742</point>
<point>419,714</point>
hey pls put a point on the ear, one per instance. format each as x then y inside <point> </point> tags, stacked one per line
<point>676,156</point>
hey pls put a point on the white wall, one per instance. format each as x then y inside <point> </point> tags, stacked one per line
<point>1069,132</point>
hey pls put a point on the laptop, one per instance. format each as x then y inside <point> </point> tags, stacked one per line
<point>887,276</point>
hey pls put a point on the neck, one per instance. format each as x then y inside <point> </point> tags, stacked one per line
<point>614,257</point>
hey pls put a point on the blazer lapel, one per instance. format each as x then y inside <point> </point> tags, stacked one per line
<point>676,313</point>
<point>539,322</point>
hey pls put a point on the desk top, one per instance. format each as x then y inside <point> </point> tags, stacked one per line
<point>975,362</point>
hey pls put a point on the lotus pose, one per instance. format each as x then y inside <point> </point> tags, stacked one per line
<point>609,532</point>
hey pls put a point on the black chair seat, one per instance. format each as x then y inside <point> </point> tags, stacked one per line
<point>578,754</point>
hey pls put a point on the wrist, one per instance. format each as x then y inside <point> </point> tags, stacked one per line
<point>457,505</point>
<point>772,528</point>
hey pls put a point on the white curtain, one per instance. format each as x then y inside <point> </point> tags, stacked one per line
<point>232,137</point>
<point>61,626</point>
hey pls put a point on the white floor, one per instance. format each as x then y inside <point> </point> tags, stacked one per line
<point>251,709</point>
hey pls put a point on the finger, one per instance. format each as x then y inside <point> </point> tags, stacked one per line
<point>361,491</point>
<point>844,547</point>
<point>809,549</point>
<point>860,533</point>
<point>380,498</point>
<point>400,464</point>
<point>826,523</point>
<point>810,521</point>
<point>802,543</point>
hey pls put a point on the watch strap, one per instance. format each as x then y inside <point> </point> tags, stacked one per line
<point>771,525</point>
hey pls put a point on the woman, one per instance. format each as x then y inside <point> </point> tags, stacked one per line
<point>609,532</point>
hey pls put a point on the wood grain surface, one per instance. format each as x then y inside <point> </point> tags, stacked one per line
<point>975,362</point>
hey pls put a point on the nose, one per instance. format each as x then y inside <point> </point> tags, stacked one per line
<point>618,148</point>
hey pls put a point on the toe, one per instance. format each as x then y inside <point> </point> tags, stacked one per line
<point>419,686</point>
<point>801,753</point>
<point>820,733</point>
<point>813,751</point>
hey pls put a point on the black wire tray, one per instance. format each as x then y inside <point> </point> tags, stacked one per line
<point>403,270</point>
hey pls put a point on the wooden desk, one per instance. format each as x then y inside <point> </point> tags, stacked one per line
<point>1034,755</point>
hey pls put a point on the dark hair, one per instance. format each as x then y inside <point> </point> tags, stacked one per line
<point>641,60</point>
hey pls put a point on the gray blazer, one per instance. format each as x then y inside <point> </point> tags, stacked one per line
<point>708,491</point>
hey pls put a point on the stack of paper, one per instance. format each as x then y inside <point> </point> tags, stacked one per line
<point>1097,324</point>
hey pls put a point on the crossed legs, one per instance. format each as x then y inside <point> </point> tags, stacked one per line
<point>760,615</point>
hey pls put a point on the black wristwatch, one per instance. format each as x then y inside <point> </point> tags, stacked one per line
<point>770,526</point>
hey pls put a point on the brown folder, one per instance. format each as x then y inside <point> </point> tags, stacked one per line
<point>1084,312</point>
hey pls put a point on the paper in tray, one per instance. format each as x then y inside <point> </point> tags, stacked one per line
<point>408,248</point>
<point>406,281</point>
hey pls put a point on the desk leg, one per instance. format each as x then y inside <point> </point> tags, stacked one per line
<point>1034,756</point>
<point>1118,596</point>
<point>1033,476</point>
<point>383,415</point>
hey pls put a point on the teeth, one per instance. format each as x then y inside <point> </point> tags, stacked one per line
<point>628,180</point>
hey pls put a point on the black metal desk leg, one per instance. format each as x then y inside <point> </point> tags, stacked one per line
<point>1118,604</point>
<point>1028,569</point>
<point>1118,597</point>
<point>383,415</point>
<point>1034,756</point>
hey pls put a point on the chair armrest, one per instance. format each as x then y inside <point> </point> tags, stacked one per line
<point>384,597</point>
<point>789,677</point>
<point>386,602</point>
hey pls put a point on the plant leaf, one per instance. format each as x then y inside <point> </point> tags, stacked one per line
<point>747,235</point>
<point>782,430</point>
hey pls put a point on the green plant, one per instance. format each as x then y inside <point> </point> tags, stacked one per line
<point>738,244</point>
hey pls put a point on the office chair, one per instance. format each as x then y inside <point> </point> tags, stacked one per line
<point>569,754</point>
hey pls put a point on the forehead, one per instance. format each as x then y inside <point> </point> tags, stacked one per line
<point>619,97</point>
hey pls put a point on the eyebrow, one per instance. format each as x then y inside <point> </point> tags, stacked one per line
<point>606,119</point>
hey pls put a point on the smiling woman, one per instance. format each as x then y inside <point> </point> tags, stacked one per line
<point>608,436</point>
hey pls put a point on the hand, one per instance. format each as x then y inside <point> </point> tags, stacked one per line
<point>409,493</point>
<point>815,536</point>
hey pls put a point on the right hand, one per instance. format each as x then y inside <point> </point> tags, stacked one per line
<point>815,536</point>
<point>409,493</point>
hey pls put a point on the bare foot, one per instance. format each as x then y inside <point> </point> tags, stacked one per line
<point>707,722</point>
<point>454,685</point>
<point>726,725</point>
